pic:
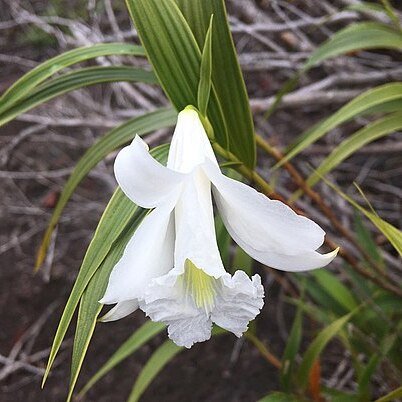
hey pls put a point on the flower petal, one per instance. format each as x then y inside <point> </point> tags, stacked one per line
<point>195,227</point>
<point>143,179</point>
<point>238,302</point>
<point>190,144</point>
<point>294,263</point>
<point>148,254</point>
<point>166,302</point>
<point>120,310</point>
<point>268,230</point>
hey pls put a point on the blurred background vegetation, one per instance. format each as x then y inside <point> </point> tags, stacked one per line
<point>332,334</point>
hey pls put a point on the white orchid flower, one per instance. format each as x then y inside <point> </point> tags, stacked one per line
<point>171,267</point>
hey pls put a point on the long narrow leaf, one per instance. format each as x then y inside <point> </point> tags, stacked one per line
<point>393,234</point>
<point>154,365</point>
<point>89,304</point>
<point>371,132</point>
<point>359,36</point>
<point>363,35</point>
<point>335,288</point>
<point>292,346</point>
<point>226,74</point>
<point>115,218</point>
<point>282,397</point>
<point>175,56</point>
<point>366,240</point>
<point>157,361</point>
<point>77,79</point>
<point>317,346</point>
<point>366,100</point>
<point>40,73</point>
<point>133,343</point>
<point>204,86</point>
<point>392,396</point>
<point>117,215</point>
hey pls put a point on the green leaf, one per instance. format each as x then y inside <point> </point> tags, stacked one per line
<point>334,395</point>
<point>386,107</point>
<point>40,73</point>
<point>141,336</point>
<point>292,348</point>
<point>335,288</point>
<point>89,304</point>
<point>118,214</point>
<point>204,85</point>
<point>115,218</point>
<point>393,234</point>
<point>366,240</point>
<point>392,396</point>
<point>154,365</point>
<point>318,345</point>
<point>112,140</point>
<point>157,361</point>
<point>365,6</point>
<point>224,241</point>
<point>366,376</point>
<point>243,261</point>
<point>281,397</point>
<point>367,134</point>
<point>391,12</point>
<point>368,99</point>
<point>322,299</point>
<point>359,36</point>
<point>175,56</point>
<point>226,74</point>
<point>77,79</point>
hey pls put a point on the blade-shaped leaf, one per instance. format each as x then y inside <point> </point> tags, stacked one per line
<point>371,132</point>
<point>323,299</point>
<point>115,218</point>
<point>335,288</point>
<point>204,86</point>
<point>175,56</point>
<point>113,139</point>
<point>83,77</point>
<point>117,215</point>
<point>363,35</point>
<point>393,234</point>
<point>366,375</point>
<point>392,396</point>
<point>335,395</point>
<point>359,36</point>
<point>366,240</point>
<point>241,260</point>
<point>317,346</point>
<point>165,353</point>
<point>224,240</point>
<point>365,6</point>
<point>281,397</point>
<point>292,346</point>
<point>366,100</point>
<point>45,70</point>
<point>141,336</point>
<point>89,304</point>
<point>226,74</point>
